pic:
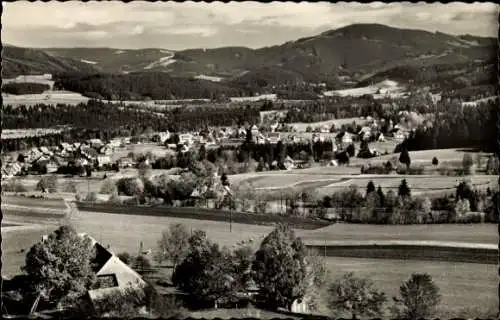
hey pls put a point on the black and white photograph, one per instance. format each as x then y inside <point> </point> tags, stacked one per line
<point>265,160</point>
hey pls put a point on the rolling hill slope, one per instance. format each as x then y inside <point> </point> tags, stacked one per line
<point>21,61</point>
<point>355,52</point>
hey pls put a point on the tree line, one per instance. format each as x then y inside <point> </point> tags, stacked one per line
<point>24,88</point>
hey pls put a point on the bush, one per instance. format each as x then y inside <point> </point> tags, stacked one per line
<point>125,257</point>
<point>415,170</point>
<point>14,185</point>
<point>47,184</point>
<point>357,296</point>
<point>91,197</point>
<point>108,187</point>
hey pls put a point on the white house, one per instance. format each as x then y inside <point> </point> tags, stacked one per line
<point>347,138</point>
<point>103,160</point>
<point>274,137</point>
<point>254,130</point>
<point>325,128</point>
<point>186,138</point>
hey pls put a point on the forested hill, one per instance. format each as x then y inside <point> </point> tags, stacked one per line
<point>354,52</point>
<point>146,85</point>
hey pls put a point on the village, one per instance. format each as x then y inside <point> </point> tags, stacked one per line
<point>95,154</point>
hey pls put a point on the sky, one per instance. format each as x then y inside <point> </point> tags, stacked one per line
<point>176,26</point>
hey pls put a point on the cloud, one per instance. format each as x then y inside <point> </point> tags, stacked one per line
<point>175,25</point>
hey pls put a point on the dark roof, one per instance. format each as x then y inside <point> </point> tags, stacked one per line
<point>102,256</point>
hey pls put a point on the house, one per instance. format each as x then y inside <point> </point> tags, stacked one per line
<point>33,155</point>
<point>242,133</point>
<point>365,132</point>
<point>333,163</point>
<point>186,138</point>
<point>89,153</point>
<point>185,148</point>
<point>95,143</point>
<point>52,167</point>
<point>65,146</point>
<point>260,139</point>
<point>161,137</point>
<point>275,127</point>
<point>115,143</point>
<point>254,130</point>
<point>347,138</point>
<point>274,137</point>
<point>172,146</point>
<point>46,151</point>
<point>103,160</point>
<point>301,306</point>
<point>399,134</point>
<point>11,169</point>
<point>113,275</point>
<point>125,162</point>
<point>289,163</point>
<point>295,139</point>
<point>106,150</point>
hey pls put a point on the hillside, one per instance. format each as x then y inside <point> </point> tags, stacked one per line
<point>356,52</point>
<point>21,61</point>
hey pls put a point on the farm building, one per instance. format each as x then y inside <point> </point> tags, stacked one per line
<point>103,160</point>
<point>112,274</point>
<point>254,130</point>
<point>11,169</point>
<point>186,138</point>
<point>325,129</point>
<point>125,162</point>
<point>89,153</point>
<point>274,137</point>
<point>95,143</point>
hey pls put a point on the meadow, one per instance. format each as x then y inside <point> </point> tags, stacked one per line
<point>463,285</point>
<point>340,179</point>
<point>467,289</point>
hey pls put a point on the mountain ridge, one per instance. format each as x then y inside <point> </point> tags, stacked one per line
<point>349,52</point>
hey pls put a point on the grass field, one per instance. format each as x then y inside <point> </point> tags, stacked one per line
<point>463,286</point>
<point>110,228</point>
<point>327,180</point>
<point>425,156</point>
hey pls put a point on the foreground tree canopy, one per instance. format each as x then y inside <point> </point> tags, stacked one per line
<point>60,267</point>
<point>280,268</point>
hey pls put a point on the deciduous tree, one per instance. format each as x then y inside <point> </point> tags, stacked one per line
<point>356,296</point>
<point>173,245</point>
<point>419,297</point>
<point>280,268</point>
<point>60,266</point>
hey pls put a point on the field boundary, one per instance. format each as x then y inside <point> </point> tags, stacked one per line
<point>482,254</point>
<point>203,214</point>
